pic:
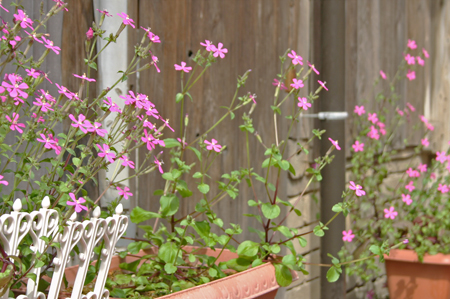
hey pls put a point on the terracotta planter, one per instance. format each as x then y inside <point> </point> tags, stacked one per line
<point>258,282</point>
<point>408,278</point>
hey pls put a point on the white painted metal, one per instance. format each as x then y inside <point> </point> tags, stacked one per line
<point>88,234</point>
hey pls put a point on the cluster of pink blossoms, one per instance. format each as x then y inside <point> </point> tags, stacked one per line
<point>411,60</point>
<point>347,236</point>
<point>218,51</point>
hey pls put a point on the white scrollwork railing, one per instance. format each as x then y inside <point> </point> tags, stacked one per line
<point>87,234</point>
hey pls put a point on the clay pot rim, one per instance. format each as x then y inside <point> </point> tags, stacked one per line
<point>407,255</point>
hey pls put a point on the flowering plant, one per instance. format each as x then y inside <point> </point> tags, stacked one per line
<point>405,195</point>
<point>73,158</point>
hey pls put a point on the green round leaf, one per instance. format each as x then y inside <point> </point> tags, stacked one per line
<point>270,211</point>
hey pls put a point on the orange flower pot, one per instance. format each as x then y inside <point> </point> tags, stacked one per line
<point>410,279</point>
<point>258,282</point>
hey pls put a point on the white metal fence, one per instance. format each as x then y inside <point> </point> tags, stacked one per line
<point>87,234</point>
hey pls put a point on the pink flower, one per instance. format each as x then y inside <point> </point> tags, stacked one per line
<point>406,199</point>
<point>443,188</point>
<point>410,59</point>
<point>49,45</point>
<point>400,112</point>
<point>406,241</point>
<point>323,84</point>
<point>279,83</point>
<point>297,83</point>
<point>347,236</point>
<point>219,51</point>
<point>423,119</point>
<point>24,19</point>
<point>411,107</point>
<point>296,59</point>
<point>420,61</point>
<point>95,128</point>
<point>77,203</point>
<point>358,147</point>
<point>410,187</point>
<point>48,141</point>
<point>3,182</point>
<point>157,162</point>
<point>425,53</point>
<point>252,97</point>
<point>412,44</point>
<point>182,67</point>
<point>335,143</point>
<point>114,107</point>
<point>32,72</point>
<point>359,110</point>
<point>126,19</point>
<point>84,77</point>
<point>373,133</point>
<point>207,45</point>
<point>105,152</point>
<point>40,120</point>
<point>63,90</point>
<point>15,88</point>
<point>373,118</point>
<point>412,173</point>
<point>422,167</point>
<point>383,75</point>
<point>382,126</point>
<point>313,68</point>
<point>125,190</point>
<point>358,189</point>
<point>425,142</point>
<point>411,75</point>
<point>441,157</point>
<point>432,176</point>
<point>430,127</point>
<point>44,106</point>
<point>303,103</point>
<point>127,162</point>
<point>14,122</point>
<point>391,213</point>
<point>153,38</point>
<point>105,12</point>
<point>154,61</point>
<point>79,123</point>
<point>166,123</point>
<point>151,141</point>
<point>213,145</point>
<point>90,34</point>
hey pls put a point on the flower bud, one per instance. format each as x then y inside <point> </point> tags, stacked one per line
<point>90,33</point>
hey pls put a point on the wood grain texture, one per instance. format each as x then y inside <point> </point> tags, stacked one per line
<point>255,34</point>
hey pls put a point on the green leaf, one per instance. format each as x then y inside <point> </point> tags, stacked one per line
<point>169,204</point>
<point>203,188</point>
<point>283,275</point>
<point>189,95</point>
<point>171,142</point>
<point>284,164</point>
<point>232,115</point>
<point>337,208</point>
<point>183,189</point>
<point>248,248</point>
<point>130,266</point>
<point>257,262</point>
<point>276,109</point>
<point>332,274</point>
<point>239,264</point>
<point>291,169</point>
<point>76,161</point>
<point>179,97</point>
<point>170,268</point>
<point>318,231</point>
<point>197,175</point>
<point>139,215</point>
<point>270,211</point>
<point>212,272</point>
<point>196,152</point>
<point>252,203</point>
<point>168,252</point>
